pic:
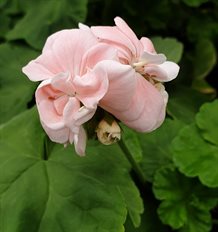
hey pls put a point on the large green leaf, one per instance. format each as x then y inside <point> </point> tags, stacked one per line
<point>207,121</point>
<point>56,190</point>
<point>15,88</point>
<point>196,157</point>
<point>193,154</point>
<point>150,220</point>
<point>185,202</point>
<point>156,147</point>
<point>205,58</point>
<point>171,47</point>
<point>44,17</point>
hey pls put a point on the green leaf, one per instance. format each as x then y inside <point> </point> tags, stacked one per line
<point>156,147</point>
<point>51,16</point>
<point>194,3</point>
<point>185,202</point>
<point>60,191</point>
<point>150,219</point>
<point>196,157</point>
<point>171,47</point>
<point>15,88</point>
<point>205,58</point>
<point>5,22</point>
<point>207,121</point>
<point>184,103</point>
<point>131,141</point>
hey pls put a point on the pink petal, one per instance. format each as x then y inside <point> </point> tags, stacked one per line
<point>63,83</point>
<point>114,37</point>
<point>70,48</point>
<point>147,45</point>
<point>147,108</point>
<point>126,30</point>
<point>80,142</point>
<point>84,27</point>
<point>97,53</point>
<point>42,68</point>
<point>152,58</point>
<point>162,72</point>
<point>50,40</point>
<point>60,103</point>
<point>122,84</point>
<point>45,97</point>
<point>69,112</point>
<point>57,136</point>
<point>62,52</point>
<point>91,87</point>
<point>83,115</point>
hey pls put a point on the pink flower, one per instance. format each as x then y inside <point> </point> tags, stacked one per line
<point>82,69</point>
<point>142,104</point>
<point>73,82</point>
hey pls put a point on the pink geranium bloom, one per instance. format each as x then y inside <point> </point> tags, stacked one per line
<point>76,71</point>
<point>142,108</point>
<point>82,69</point>
<point>73,83</point>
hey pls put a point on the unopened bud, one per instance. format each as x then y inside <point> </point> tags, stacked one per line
<point>108,133</point>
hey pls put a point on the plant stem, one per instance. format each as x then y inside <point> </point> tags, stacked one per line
<point>137,169</point>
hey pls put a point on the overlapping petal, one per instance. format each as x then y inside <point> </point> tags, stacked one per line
<point>147,108</point>
<point>63,52</point>
<point>164,72</point>
<point>80,142</point>
<point>132,99</point>
<point>45,97</point>
<point>121,88</point>
<point>91,87</point>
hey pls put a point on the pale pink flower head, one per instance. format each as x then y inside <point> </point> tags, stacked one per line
<point>73,83</point>
<point>146,105</point>
<point>84,68</point>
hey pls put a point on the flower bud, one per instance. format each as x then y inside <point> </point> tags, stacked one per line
<point>108,133</point>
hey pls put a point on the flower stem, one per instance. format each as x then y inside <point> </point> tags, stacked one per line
<point>137,169</point>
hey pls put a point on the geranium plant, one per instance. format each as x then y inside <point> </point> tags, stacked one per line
<point>108,123</point>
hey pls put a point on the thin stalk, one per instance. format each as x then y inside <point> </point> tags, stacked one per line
<point>137,169</point>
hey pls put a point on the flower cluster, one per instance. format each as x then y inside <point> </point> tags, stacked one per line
<point>102,66</point>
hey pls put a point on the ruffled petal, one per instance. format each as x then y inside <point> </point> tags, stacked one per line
<point>69,112</point>
<point>60,103</point>
<point>91,87</point>
<point>147,45</point>
<point>57,136</point>
<point>80,142</point>
<point>42,68</point>
<point>45,97</point>
<point>114,37</point>
<point>83,115</point>
<point>122,84</point>
<point>63,83</point>
<point>70,48</point>
<point>152,58</point>
<point>146,110</point>
<point>96,54</point>
<point>126,30</point>
<point>163,72</point>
